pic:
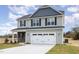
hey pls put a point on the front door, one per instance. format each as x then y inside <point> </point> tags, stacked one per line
<point>21,36</point>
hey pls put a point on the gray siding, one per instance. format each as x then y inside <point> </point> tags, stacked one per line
<point>45,12</point>
<point>60,20</point>
<point>28,21</point>
<point>59,36</point>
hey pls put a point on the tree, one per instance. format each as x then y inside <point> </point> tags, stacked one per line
<point>76,33</point>
<point>68,34</point>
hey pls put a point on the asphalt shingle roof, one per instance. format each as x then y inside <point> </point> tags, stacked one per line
<point>25,17</point>
<point>41,12</point>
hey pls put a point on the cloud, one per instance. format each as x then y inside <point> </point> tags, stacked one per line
<point>6,28</point>
<point>22,10</point>
<point>13,16</point>
<point>15,11</point>
<point>72,18</point>
<point>76,19</point>
<point>31,6</point>
<point>73,9</point>
<point>76,15</point>
<point>18,10</point>
<point>71,21</point>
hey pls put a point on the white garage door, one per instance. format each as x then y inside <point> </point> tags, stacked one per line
<point>43,38</point>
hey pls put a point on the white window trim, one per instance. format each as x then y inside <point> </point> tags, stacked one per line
<point>22,23</point>
<point>51,20</point>
<point>35,21</point>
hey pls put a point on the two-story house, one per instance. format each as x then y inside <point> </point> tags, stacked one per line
<point>45,26</point>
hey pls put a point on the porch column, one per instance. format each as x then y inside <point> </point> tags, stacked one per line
<point>62,37</point>
<point>13,37</point>
<point>26,37</point>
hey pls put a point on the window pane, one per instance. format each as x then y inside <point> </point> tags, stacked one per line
<point>31,22</point>
<point>34,34</point>
<point>48,23</point>
<point>45,34</point>
<point>51,34</point>
<point>24,22</point>
<point>39,34</point>
<point>45,21</point>
<point>55,20</point>
<point>37,24</point>
<point>39,21</point>
<point>20,23</point>
<point>52,23</point>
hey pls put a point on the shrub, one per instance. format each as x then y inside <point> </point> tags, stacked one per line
<point>11,42</point>
<point>6,40</point>
<point>66,41</point>
<point>76,37</point>
<point>15,42</point>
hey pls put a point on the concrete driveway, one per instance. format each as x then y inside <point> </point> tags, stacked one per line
<point>28,49</point>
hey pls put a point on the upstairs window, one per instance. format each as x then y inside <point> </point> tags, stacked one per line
<point>22,22</point>
<point>36,22</point>
<point>51,21</point>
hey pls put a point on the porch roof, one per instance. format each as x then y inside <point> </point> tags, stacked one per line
<point>37,28</point>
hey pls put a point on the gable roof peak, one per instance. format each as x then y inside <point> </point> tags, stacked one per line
<point>46,10</point>
<point>44,6</point>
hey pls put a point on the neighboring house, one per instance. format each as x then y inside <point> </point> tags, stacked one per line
<point>45,26</point>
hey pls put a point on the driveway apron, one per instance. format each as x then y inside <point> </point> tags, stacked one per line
<point>27,49</point>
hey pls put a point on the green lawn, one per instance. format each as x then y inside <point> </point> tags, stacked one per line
<point>64,49</point>
<point>3,46</point>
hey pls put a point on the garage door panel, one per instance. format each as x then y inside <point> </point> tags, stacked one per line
<point>43,38</point>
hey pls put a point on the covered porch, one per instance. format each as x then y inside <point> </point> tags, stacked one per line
<point>18,37</point>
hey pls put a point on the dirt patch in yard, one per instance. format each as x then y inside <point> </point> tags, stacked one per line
<point>2,40</point>
<point>73,42</point>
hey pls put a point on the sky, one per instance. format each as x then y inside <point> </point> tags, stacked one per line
<point>9,14</point>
